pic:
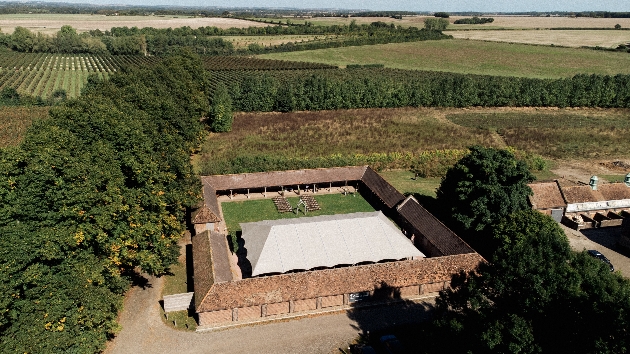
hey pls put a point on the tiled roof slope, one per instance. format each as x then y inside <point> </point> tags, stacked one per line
<point>379,186</point>
<point>614,191</point>
<point>202,265</point>
<point>445,240</point>
<point>284,178</point>
<point>327,282</point>
<point>581,194</point>
<point>546,196</point>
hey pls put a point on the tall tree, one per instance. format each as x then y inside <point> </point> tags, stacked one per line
<point>221,110</point>
<point>535,295</point>
<point>484,187</point>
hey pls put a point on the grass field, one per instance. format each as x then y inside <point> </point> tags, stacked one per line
<point>562,134</point>
<point>344,132</point>
<point>406,182</point>
<point>566,38</point>
<point>264,209</point>
<point>552,133</point>
<point>14,121</point>
<point>51,23</point>
<point>475,57</point>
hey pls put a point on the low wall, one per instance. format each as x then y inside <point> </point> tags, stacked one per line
<point>313,290</point>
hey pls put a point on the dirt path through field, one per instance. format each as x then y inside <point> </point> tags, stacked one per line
<point>580,171</point>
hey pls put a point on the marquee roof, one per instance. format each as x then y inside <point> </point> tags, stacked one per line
<point>279,246</point>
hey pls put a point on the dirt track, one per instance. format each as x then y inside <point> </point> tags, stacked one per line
<point>144,332</point>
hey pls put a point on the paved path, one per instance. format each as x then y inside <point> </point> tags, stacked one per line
<point>144,332</point>
<point>604,240</point>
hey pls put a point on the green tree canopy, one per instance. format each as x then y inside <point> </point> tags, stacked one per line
<point>484,187</point>
<point>435,24</point>
<point>221,110</point>
<point>535,295</point>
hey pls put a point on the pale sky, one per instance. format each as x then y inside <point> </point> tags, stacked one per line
<point>406,5</point>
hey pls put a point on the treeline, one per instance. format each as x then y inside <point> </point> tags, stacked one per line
<point>373,87</point>
<point>474,20</point>
<point>206,40</point>
<point>93,192</point>
<point>603,14</point>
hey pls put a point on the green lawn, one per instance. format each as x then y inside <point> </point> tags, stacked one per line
<point>264,209</point>
<point>475,57</point>
<point>175,282</point>
<point>406,182</point>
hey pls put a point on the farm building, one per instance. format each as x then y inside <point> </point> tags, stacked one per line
<point>314,264</point>
<point>583,206</point>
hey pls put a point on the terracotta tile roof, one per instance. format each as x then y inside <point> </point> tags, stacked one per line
<point>284,178</point>
<point>614,191</point>
<point>379,186</point>
<point>202,265</point>
<point>220,257</point>
<point>581,194</point>
<point>546,196</point>
<point>445,240</point>
<point>203,215</point>
<point>313,284</point>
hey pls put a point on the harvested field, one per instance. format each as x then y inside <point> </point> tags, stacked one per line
<point>474,57</point>
<point>545,22</point>
<point>499,21</point>
<point>51,23</point>
<point>14,121</point>
<point>566,38</point>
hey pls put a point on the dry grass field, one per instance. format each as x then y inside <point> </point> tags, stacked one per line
<point>244,41</point>
<point>499,22</point>
<point>14,121</point>
<point>565,38</point>
<point>586,134</point>
<point>473,57</point>
<point>51,23</point>
<point>545,22</point>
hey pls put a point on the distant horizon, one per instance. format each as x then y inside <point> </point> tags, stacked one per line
<point>508,6</point>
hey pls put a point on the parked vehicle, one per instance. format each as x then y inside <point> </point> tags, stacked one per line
<point>601,257</point>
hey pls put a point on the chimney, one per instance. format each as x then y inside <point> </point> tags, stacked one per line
<point>593,183</point>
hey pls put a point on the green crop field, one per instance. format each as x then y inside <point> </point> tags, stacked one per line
<point>42,74</point>
<point>474,57</point>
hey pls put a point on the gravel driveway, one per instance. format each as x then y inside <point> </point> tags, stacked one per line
<point>603,240</point>
<point>144,332</point>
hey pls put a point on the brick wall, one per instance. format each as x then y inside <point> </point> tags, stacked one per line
<point>329,282</point>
